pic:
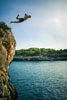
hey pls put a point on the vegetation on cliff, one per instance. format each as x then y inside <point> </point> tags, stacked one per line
<point>4,26</point>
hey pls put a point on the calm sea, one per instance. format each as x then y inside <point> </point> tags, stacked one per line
<point>40,80</point>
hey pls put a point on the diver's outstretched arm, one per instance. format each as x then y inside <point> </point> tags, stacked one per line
<point>25,15</point>
<point>14,22</point>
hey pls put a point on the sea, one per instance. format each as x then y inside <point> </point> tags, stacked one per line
<point>39,80</point>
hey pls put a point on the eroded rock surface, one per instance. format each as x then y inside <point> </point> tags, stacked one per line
<point>7,51</point>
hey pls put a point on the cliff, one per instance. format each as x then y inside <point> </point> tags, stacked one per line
<point>7,51</point>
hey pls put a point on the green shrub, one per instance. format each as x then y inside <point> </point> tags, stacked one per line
<point>4,26</point>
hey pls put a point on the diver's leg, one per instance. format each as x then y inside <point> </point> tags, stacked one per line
<point>14,22</point>
<point>17,16</point>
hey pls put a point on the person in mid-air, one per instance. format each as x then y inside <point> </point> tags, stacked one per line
<point>21,19</point>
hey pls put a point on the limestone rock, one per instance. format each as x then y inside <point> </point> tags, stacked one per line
<point>7,51</point>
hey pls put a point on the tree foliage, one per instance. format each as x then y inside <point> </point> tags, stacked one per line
<point>42,52</point>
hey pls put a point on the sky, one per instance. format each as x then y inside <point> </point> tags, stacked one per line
<point>47,27</point>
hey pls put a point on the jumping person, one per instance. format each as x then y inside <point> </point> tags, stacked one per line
<point>21,19</point>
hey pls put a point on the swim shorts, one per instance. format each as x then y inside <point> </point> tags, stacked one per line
<point>21,19</point>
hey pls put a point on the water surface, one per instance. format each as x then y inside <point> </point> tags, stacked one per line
<point>40,80</point>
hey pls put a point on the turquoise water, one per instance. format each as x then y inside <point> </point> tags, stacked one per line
<point>40,80</point>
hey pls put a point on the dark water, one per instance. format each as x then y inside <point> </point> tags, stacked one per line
<point>40,80</point>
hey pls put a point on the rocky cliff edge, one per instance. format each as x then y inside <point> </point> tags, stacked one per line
<point>7,51</point>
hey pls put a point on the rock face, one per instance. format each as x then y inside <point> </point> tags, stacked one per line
<point>7,51</point>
